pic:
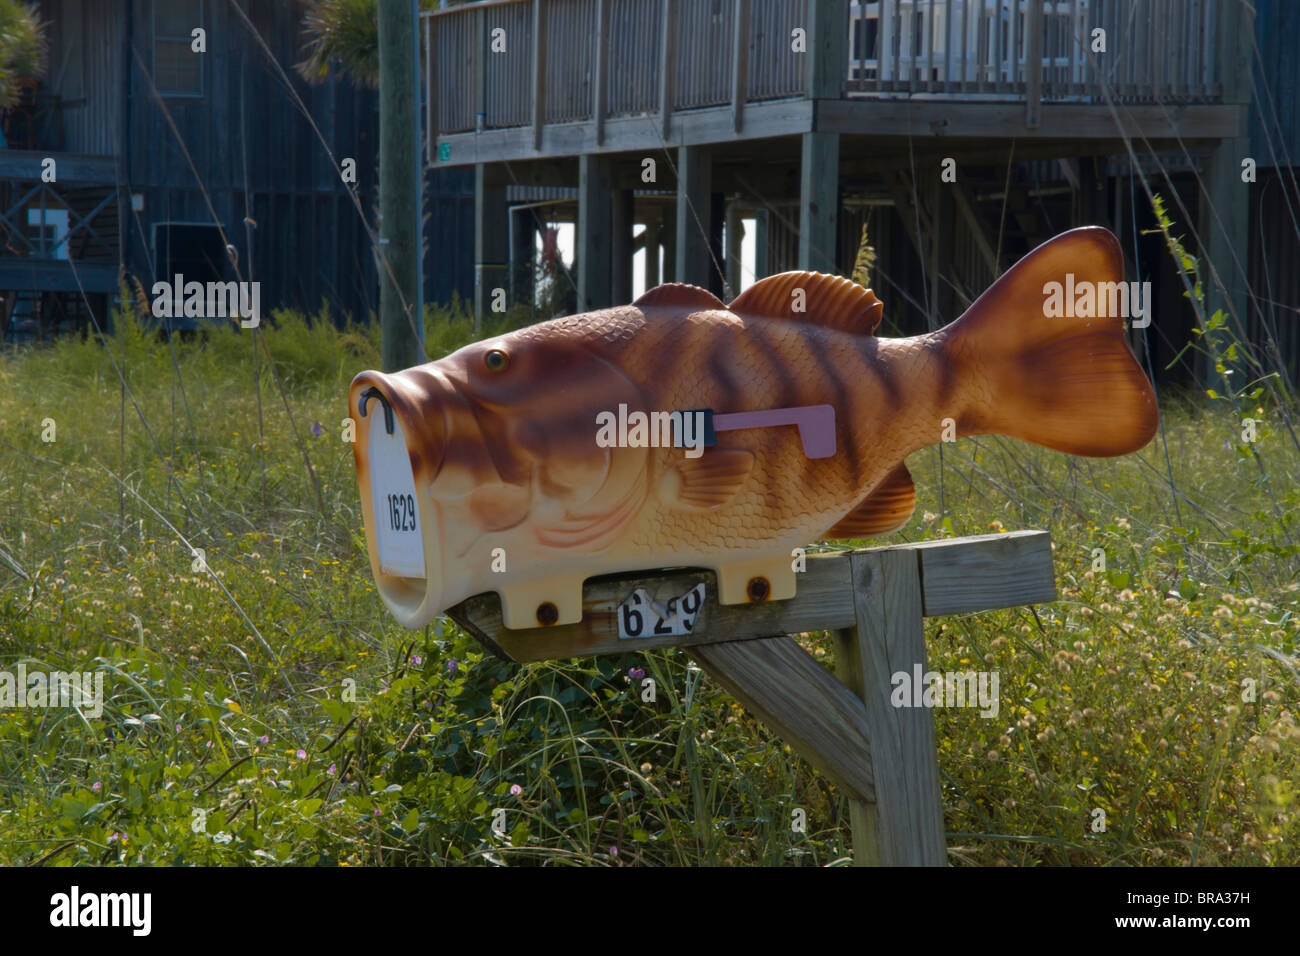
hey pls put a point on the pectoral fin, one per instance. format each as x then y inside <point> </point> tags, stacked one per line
<point>707,482</point>
<point>886,509</point>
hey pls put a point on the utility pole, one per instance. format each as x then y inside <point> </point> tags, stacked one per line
<point>401,305</point>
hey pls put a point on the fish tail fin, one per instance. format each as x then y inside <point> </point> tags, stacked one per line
<point>1069,383</point>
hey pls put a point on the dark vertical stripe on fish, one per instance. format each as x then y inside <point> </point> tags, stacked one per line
<point>761,334</point>
<point>724,376</point>
<point>845,407</point>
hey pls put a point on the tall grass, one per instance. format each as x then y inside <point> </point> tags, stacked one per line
<point>262,706</point>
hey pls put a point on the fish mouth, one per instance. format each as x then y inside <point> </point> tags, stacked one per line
<point>398,451</point>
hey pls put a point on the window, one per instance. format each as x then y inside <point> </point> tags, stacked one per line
<point>46,230</point>
<point>177,69</point>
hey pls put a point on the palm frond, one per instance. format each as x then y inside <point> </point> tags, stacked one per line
<point>22,47</point>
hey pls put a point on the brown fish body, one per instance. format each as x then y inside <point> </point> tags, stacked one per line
<point>516,495</point>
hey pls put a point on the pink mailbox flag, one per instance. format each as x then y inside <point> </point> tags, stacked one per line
<point>816,424</point>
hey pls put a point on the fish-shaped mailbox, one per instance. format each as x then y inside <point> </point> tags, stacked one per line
<point>680,431</point>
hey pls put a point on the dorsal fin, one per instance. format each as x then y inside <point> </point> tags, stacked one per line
<point>830,301</point>
<point>886,509</point>
<point>678,294</point>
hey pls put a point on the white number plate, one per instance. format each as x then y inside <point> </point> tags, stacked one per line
<point>398,541</point>
<point>640,616</point>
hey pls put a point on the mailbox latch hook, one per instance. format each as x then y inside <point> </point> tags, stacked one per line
<point>373,392</point>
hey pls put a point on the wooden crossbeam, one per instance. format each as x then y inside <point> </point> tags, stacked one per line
<point>959,575</point>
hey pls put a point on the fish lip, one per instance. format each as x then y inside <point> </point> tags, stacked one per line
<point>414,602</point>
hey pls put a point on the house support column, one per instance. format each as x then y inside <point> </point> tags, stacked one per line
<point>623,224</point>
<point>523,253</point>
<point>694,216</point>
<point>819,202</point>
<point>491,242</point>
<point>1225,197</point>
<point>668,237</point>
<point>595,242</point>
<point>735,247</point>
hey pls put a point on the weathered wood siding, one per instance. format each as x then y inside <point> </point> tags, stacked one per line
<point>85,72</point>
<point>1275,106</point>
<point>244,148</point>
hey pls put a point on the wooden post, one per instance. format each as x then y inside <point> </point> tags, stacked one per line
<point>819,173</point>
<point>622,224</point>
<point>1224,211</point>
<point>827,62</point>
<point>667,66</point>
<point>400,314</point>
<point>430,90</point>
<point>539,73</point>
<point>594,243</point>
<point>480,69</point>
<point>694,216</point>
<point>904,826</point>
<point>600,97</point>
<point>1033,62</point>
<point>491,241</point>
<point>668,236</point>
<point>523,255</point>
<point>819,202</point>
<point>739,64</point>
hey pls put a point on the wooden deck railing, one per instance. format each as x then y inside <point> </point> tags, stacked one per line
<point>1155,50</point>
<point>517,63</point>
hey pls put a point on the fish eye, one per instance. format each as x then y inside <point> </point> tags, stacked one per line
<point>496,360</point>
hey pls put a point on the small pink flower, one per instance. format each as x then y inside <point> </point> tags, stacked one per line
<point>516,790</point>
<point>301,755</point>
<point>96,787</point>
